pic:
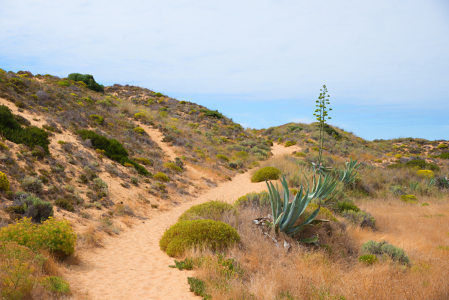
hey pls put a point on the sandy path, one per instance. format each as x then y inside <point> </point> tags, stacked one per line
<point>131,266</point>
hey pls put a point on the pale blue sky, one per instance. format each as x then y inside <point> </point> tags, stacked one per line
<point>260,62</point>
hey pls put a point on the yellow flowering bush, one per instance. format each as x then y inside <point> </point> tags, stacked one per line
<point>4,182</point>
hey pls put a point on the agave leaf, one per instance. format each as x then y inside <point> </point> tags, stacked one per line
<point>309,240</point>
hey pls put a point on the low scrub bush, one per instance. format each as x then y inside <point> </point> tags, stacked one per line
<point>384,248</point>
<point>266,173</point>
<point>425,174</point>
<point>360,218</point>
<point>139,130</point>
<point>343,205</point>
<point>113,149</point>
<point>198,287</point>
<point>53,235</point>
<point>65,204</point>
<point>31,184</point>
<point>222,157</point>
<point>144,161</point>
<point>289,143</point>
<point>209,210</point>
<point>409,198</point>
<point>30,136</point>
<point>38,210</point>
<point>97,119</point>
<point>4,182</point>
<point>161,177</point>
<point>172,167</point>
<point>253,200</point>
<point>214,235</point>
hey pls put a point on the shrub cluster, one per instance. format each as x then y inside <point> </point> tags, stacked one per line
<point>88,80</point>
<point>4,182</point>
<point>209,210</point>
<point>384,248</point>
<point>113,149</point>
<point>161,177</point>
<point>55,236</point>
<point>253,200</point>
<point>30,136</point>
<point>267,173</point>
<point>209,233</point>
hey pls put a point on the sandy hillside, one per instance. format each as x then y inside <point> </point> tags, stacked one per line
<point>131,266</point>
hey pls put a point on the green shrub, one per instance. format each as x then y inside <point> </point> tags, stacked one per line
<point>384,248</point>
<point>432,167</point>
<point>444,155</point>
<point>186,234</point>
<point>30,136</point>
<point>417,162</point>
<point>88,100</point>
<point>342,206</point>
<point>113,149</point>
<point>56,285</point>
<point>38,210</point>
<point>442,146</point>
<point>4,182</point>
<point>222,157</point>
<point>144,161</point>
<point>300,154</point>
<point>368,259</point>
<point>64,83</point>
<point>269,143</point>
<point>56,236</point>
<point>139,115</point>
<point>161,177</point>
<point>209,210</point>
<point>97,119</point>
<point>65,204</point>
<point>253,199</point>
<point>31,184</point>
<point>289,143</point>
<point>409,198</point>
<point>242,154</point>
<point>211,113</point>
<point>139,130</point>
<point>88,80</point>
<point>182,102</point>
<point>267,173</point>
<point>172,167</point>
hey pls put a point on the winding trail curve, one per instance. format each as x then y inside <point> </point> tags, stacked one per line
<point>131,266</point>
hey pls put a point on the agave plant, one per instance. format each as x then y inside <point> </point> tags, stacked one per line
<point>347,176</point>
<point>285,213</point>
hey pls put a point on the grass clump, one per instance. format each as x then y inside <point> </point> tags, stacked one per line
<point>198,287</point>
<point>161,177</point>
<point>266,173</point>
<point>212,234</point>
<point>56,284</point>
<point>368,259</point>
<point>209,210</point>
<point>65,204</point>
<point>113,149</point>
<point>409,198</point>
<point>4,182</point>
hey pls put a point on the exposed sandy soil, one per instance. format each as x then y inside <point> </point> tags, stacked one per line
<point>131,266</point>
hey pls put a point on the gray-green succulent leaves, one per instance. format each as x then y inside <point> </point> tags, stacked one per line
<point>285,213</point>
<point>347,176</point>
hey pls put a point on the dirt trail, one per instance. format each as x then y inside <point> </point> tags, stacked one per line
<point>131,266</point>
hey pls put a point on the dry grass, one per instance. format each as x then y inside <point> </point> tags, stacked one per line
<point>91,238</point>
<point>307,273</point>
